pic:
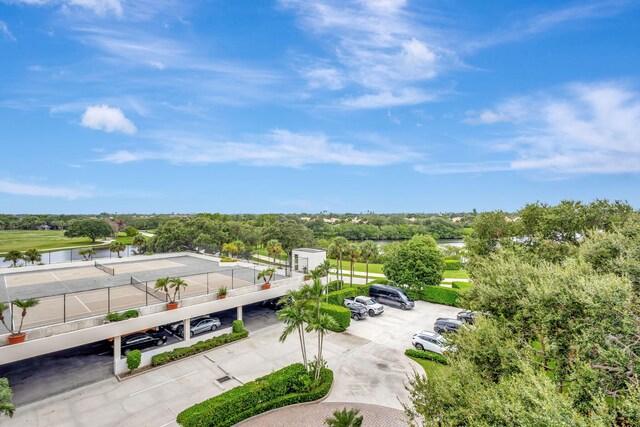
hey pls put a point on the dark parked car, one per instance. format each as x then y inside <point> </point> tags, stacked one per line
<point>444,325</point>
<point>468,316</point>
<point>358,311</point>
<point>390,295</point>
<point>273,304</point>
<point>198,326</point>
<point>142,341</point>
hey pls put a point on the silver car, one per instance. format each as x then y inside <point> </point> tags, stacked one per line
<point>198,326</point>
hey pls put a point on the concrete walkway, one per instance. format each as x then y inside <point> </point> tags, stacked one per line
<point>314,415</point>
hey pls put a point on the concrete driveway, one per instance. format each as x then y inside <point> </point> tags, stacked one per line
<point>368,361</point>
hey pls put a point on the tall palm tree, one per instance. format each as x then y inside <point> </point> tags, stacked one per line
<point>368,250</point>
<point>176,284</point>
<point>139,241</point>
<point>340,245</point>
<point>353,252</point>
<point>240,247</point>
<point>24,305</point>
<point>13,256</point>
<point>229,248</point>
<point>320,323</point>
<point>117,247</point>
<point>294,314</point>
<point>274,248</point>
<point>32,255</point>
<point>344,418</point>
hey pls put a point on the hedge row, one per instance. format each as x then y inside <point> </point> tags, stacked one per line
<point>334,285</point>
<point>426,355</point>
<point>337,297</point>
<point>341,314</point>
<point>452,264</point>
<point>182,352</point>
<point>117,317</point>
<point>287,386</point>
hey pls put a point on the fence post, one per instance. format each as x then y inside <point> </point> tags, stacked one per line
<point>146,294</point>
<point>254,275</point>
<point>207,283</point>
<point>64,308</point>
<point>232,278</point>
<point>108,300</point>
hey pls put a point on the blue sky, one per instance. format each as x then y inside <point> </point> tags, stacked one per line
<point>291,105</point>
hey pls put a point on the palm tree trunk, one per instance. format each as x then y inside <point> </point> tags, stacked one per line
<point>302,349</point>
<point>351,277</point>
<point>24,313</point>
<point>317,373</point>
<point>367,279</point>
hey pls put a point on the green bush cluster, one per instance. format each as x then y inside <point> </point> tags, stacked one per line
<point>117,317</point>
<point>182,352</point>
<point>452,264</point>
<point>134,358</point>
<point>237,326</point>
<point>288,386</point>
<point>440,295</point>
<point>342,315</point>
<point>227,259</point>
<point>380,281</point>
<point>426,355</point>
<point>334,285</point>
<point>337,297</point>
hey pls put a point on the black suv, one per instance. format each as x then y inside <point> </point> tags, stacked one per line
<point>469,316</point>
<point>444,325</point>
<point>358,311</point>
<point>142,341</point>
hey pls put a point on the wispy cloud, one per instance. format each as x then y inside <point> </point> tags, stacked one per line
<point>278,148</point>
<point>376,46</point>
<point>99,7</point>
<point>108,119</point>
<point>582,128</point>
<point>11,187</point>
<point>4,30</point>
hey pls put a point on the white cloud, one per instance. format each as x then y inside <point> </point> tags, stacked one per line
<point>11,187</point>
<point>322,77</point>
<point>4,29</point>
<point>99,7</point>
<point>278,148</point>
<point>486,117</point>
<point>108,119</point>
<point>407,96</point>
<point>584,128</point>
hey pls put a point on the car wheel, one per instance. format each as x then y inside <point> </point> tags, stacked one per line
<point>403,306</point>
<point>159,342</point>
<point>372,313</point>
<point>214,327</point>
<point>419,347</point>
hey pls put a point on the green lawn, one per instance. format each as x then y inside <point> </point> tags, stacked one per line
<point>456,274</point>
<point>123,238</point>
<point>22,240</point>
<point>359,267</point>
<point>263,251</point>
<point>429,366</point>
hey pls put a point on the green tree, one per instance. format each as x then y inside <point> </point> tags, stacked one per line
<point>131,231</point>
<point>489,229</point>
<point>6,398</point>
<point>345,418</point>
<point>87,253</point>
<point>91,228</point>
<point>32,255</point>
<point>274,248</point>
<point>291,234</point>
<point>177,284</point>
<point>338,248</point>
<point>117,247</point>
<point>368,250</point>
<point>353,252</point>
<point>230,249</point>
<point>24,305</point>
<point>294,314</point>
<point>140,242</point>
<point>317,322</point>
<point>134,358</point>
<point>416,263</point>
<point>239,247</point>
<point>13,256</point>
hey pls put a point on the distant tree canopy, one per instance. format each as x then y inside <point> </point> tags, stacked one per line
<point>91,228</point>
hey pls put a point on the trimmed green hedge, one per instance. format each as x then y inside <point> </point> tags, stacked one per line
<point>182,352</point>
<point>133,359</point>
<point>440,295</point>
<point>426,355</point>
<point>237,326</point>
<point>337,297</point>
<point>340,313</point>
<point>117,317</point>
<point>285,387</point>
<point>334,285</point>
<point>452,264</point>
<point>379,281</point>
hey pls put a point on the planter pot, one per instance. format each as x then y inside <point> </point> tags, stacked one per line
<point>266,286</point>
<point>17,339</point>
<point>307,277</point>
<point>222,296</point>
<point>172,305</point>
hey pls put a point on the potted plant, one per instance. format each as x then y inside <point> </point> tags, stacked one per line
<point>267,275</point>
<point>18,336</point>
<point>166,285</point>
<point>222,292</point>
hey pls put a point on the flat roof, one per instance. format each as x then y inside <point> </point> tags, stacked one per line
<point>311,250</point>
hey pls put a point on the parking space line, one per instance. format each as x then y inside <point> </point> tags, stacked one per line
<point>80,301</point>
<point>163,383</point>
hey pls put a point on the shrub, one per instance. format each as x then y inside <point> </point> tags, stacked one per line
<point>237,326</point>
<point>439,295</point>
<point>133,359</point>
<point>337,297</point>
<point>380,281</point>
<point>452,264</point>
<point>117,317</point>
<point>199,347</point>
<point>227,259</point>
<point>287,386</point>
<point>342,315</point>
<point>334,285</point>
<point>426,355</point>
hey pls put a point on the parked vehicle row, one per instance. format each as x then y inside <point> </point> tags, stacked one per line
<point>436,341</point>
<point>392,296</point>
<point>198,325</point>
<point>370,305</point>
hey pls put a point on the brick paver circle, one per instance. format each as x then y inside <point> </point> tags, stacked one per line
<point>313,415</point>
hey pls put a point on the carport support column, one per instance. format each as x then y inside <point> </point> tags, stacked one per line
<point>239,312</point>
<point>186,325</point>
<point>117,351</point>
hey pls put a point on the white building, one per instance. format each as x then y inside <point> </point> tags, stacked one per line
<point>306,259</point>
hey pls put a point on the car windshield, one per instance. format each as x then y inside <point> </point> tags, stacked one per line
<point>369,301</point>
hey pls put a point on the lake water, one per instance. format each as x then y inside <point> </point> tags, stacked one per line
<point>72,255</point>
<point>441,242</point>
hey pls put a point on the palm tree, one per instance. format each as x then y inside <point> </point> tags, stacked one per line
<point>368,250</point>
<point>4,307</point>
<point>239,247</point>
<point>32,255</point>
<point>274,248</point>
<point>340,245</point>
<point>320,323</point>
<point>6,398</point>
<point>162,284</point>
<point>345,418</point>
<point>87,253</point>
<point>24,305</point>
<point>117,247</point>
<point>267,274</point>
<point>354,255</point>
<point>139,241</point>
<point>13,256</point>
<point>294,314</point>
<point>229,248</point>
<point>176,284</point>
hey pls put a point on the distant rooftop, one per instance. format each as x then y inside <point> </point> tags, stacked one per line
<point>311,250</point>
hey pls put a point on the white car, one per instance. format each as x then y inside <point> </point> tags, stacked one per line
<point>372,307</point>
<point>430,341</point>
